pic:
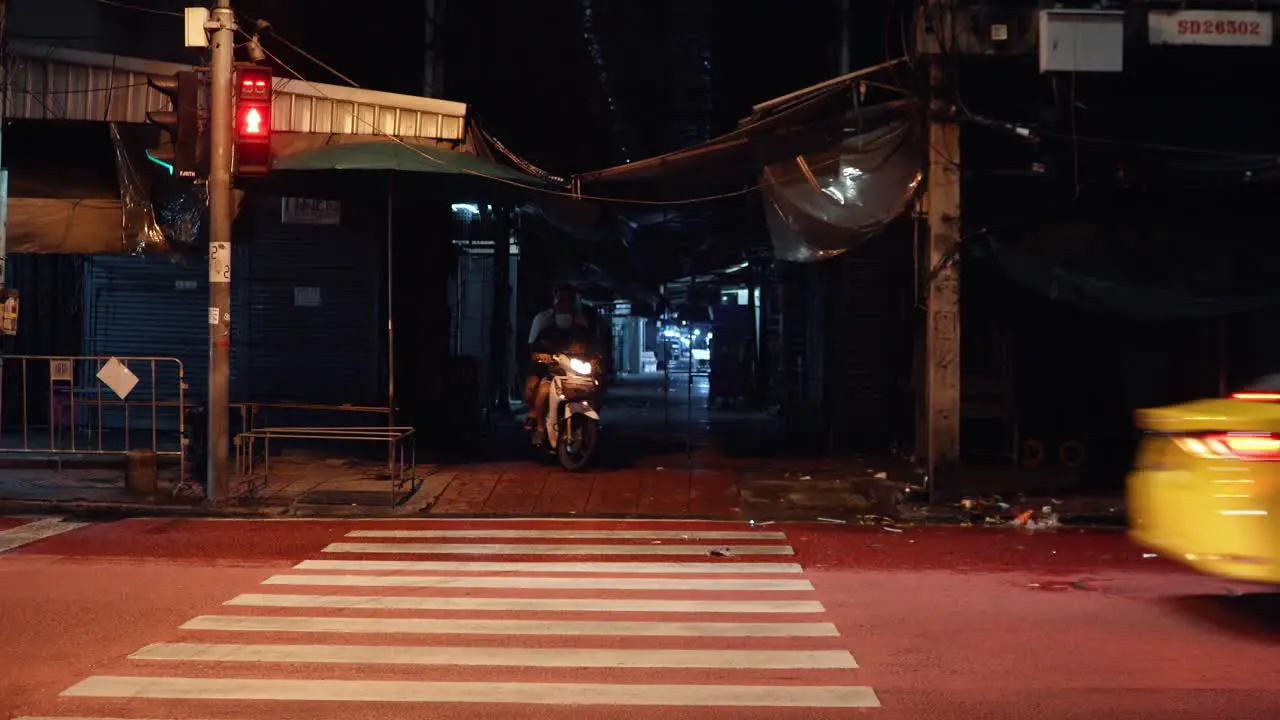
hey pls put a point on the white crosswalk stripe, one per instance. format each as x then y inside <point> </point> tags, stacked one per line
<point>384,602</point>
<point>531,549</point>
<point>573,534</point>
<point>715,621</point>
<point>515,657</point>
<point>612,568</point>
<point>541,583</point>
<point>34,531</point>
<point>471,692</point>
<point>454,626</point>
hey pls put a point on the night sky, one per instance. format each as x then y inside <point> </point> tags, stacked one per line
<point>571,85</point>
<point>575,85</point>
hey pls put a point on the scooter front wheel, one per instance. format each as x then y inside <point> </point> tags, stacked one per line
<point>578,443</point>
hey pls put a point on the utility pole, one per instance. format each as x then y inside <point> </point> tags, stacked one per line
<point>846,16</point>
<point>498,226</point>
<point>433,67</point>
<point>4,179</point>
<point>4,174</point>
<point>941,424</point>
<point>219,439</point>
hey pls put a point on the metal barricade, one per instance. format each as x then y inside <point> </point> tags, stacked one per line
<point>255,414</point>
<point>402,441</point>
<point>68,406</point>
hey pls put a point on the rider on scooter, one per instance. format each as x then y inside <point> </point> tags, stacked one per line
<point>561,328</point>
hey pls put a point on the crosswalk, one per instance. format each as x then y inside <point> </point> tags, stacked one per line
<point>34,529</point>
<point>562,616</point>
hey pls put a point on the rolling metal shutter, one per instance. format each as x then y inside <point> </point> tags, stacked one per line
<point>149,306</point>
<point>311,313</point>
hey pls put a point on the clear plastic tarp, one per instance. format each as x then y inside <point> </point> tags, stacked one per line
<point>139,229</point>
<point>158,213</point>
<point>821,204</point>
<point>181,209</point>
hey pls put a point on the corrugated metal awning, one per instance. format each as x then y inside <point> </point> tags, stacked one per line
<point>54,83</point>
<point>737,154</point>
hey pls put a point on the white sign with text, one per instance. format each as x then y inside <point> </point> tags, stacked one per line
<point>310,211</point>
<point>1228,28</point>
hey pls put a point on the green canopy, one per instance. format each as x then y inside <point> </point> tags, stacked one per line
<point>392,156</point>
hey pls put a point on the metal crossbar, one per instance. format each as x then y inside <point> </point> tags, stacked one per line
<point>401,441</point>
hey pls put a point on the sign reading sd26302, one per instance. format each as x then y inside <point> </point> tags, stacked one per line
<point>1227,28</point>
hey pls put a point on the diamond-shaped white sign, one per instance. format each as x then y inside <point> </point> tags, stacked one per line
<point>119,378</point>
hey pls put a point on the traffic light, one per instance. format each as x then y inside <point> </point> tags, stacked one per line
<point>179,144</point>
<point>253,120</point>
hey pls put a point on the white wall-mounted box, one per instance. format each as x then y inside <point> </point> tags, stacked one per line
<point>1081,40</point>
<point>195,19</point>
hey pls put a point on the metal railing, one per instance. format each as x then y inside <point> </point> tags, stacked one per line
<point>251,413</point>
<point>65,408</point>
<point>402,467</point>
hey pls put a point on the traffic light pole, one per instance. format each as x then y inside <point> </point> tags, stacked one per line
<point>220,121</point>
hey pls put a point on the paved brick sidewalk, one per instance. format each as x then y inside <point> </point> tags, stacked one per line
<point>528,489</point>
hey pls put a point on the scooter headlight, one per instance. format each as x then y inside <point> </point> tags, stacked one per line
<point>582,367</point>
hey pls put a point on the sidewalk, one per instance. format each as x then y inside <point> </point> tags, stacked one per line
<point>301,484</point>
<point>862,489</point>
<point>677,486</point>
<point>671,457</point>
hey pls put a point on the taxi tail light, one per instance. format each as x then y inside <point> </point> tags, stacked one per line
<point>1256,396</point>
<point>1232,446</point>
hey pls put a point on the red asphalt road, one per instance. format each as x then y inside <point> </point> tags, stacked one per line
<point>943,622</point>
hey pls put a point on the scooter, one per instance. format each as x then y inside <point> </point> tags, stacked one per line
<point>571,426</point>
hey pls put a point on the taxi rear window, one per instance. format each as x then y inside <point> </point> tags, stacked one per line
<point>1266,383</point>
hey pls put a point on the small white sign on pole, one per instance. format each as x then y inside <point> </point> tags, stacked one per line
<point>195,19</point>
<point>119,378</point>
<point>1226,28</point>
<point>220,262</point>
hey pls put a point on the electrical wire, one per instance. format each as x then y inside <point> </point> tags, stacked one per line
<point>139,8</point>
<point>1020,130</point>
<point>1075,138</point>
<point>953,254</point>
<point>1072,134</point>
<point>548,191</point>
<point>270,29</point>
<point>275,35</point>
<point>79,91</point>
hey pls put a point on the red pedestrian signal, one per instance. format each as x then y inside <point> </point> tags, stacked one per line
<point>253,121</point>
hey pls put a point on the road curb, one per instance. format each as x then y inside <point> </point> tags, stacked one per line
<point>1074,521</point>
<point>119,511</point>
<point>97,510</point>
<point>109,511</point>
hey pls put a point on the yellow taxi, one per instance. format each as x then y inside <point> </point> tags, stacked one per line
<point>1205,486</point>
